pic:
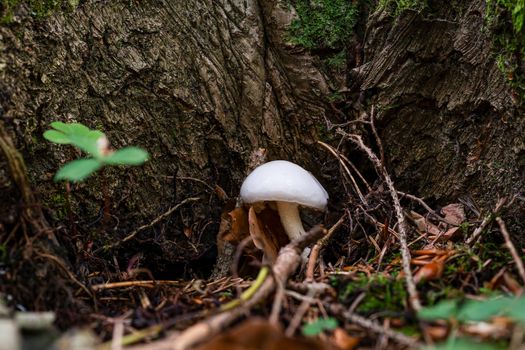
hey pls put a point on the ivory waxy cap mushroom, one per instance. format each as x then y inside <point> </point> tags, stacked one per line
<point>289,186</point>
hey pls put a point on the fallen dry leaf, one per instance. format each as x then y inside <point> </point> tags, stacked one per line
<point>506,280</point>
<point>343,340</point>
<point>498,328</point>
<point>437,332</point>
<point>188,232</point>
<point>429,252</point>
<point>267,232</point>
<point>234,227</point>
<point>513,285</point>
<point>454,213</point>
<point>431,271</point>
<point>255,334</point>
<point>453,234</point>
<point>221,193</point>
<point>422,224</point>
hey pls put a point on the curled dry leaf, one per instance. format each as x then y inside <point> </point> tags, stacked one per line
<point>436,332</point>
<point>454,213</point>
<point>431,271</point>
<point>344,341</point>
<point>234,227</point>
<point>267,232</point>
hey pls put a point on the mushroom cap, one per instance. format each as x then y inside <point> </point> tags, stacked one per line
<point>283,181</point>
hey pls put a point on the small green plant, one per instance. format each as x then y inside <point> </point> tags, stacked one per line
<point>516,8</point>
<point>458,311</point>
<point>476,310</point>
<point>94,143</point>
<point>319,325</point>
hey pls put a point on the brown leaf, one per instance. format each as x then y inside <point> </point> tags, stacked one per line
<point>512,284</point>
<point>257,334</point>
<point>234,227</point>
<point>454,213</point>
<point>437,332</point>
<point>499,327</point>
<point>453,234</point>
<point>267,232</point>
<point>343,340</point>
<point>431,271</point>
<point>422,224</point>
<point>221,193</point>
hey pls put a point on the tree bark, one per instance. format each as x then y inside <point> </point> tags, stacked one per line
<point>203,84</point>
<point>450,123</point>
<point>199,84</point>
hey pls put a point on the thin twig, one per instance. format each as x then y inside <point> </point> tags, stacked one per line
<point>143,227</point>
<point>277,303</point>
<point>317,248</point>
<point>288,260</point>
<point>486,221</point>
<point>378,139</point>
<point>63,266</point>
<point>402,339</point>
<point>185,178</point>
<point>511,247</point>
<point>425,205</point>
<point>125,284</point>
<point>299,313</point>
<point>348,173</point>
<point>405,253</point>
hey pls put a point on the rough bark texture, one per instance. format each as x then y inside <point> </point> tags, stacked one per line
<point>448,119</point>
<point>199,84</point>
<point>202,84</point>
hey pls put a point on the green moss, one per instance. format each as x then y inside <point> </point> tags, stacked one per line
<point>38,8</point>
<point>58,203</point>
<point>337,61</point>
<point>326,24</point>
<point>505,19</point>
<point>383,293</point>
<point>397,6</point>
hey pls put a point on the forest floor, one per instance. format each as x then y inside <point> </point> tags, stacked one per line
<point>389,271</point>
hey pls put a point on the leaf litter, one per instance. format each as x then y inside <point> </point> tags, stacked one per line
<point>470,289</point>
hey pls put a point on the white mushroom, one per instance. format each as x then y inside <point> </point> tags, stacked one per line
<point>289,186</point>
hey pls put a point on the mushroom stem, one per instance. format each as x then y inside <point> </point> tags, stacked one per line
<point>290,218</point>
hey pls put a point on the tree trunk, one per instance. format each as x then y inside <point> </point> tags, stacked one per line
<point>199,84</point>
<point>450,123</point>
<point>204,84</point>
